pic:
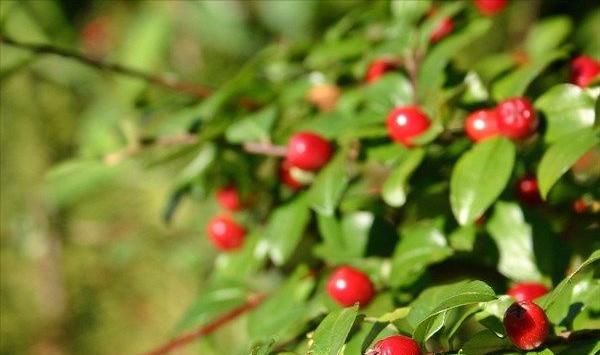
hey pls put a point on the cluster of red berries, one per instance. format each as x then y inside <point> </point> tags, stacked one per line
<point>224,232</point>
<point>514,118</point>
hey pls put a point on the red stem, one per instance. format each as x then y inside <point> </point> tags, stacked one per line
<point>187,338</point>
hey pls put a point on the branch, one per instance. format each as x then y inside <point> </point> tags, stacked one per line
<point>266,149</point>
<point>167,82</point>
<point>132,150</point>
<point>209,328</point>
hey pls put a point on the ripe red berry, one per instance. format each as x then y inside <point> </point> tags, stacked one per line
<point>406,122</point>
<point>526,325</point>
<point>348,286</point>
<point>482,124</point>
<point>517,118</point>
<point>445,27</point>
<point>286,177</point>
<point>378,68</point>
<point>527,291</point>
<point>225,233</point>
<point>584,70</point>
<point>579,206</point>
<point>528,191</point>
<point>308,151</point>
<point>490,7</point>
<point>229,198</point>
<point>395,345</point>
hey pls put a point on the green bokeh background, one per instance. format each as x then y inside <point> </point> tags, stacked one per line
<point>87,265</point>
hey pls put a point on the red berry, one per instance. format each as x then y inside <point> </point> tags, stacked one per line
<point>490,7</point>
<point>584,70</point>
<point>308,151</point>
<point>395,345</point>
<point>528,191</point>
<point>286,177</point>
<point>445,27</point>
<point>225,233</point>
<point>482,124</point>
<point>579,206</point>
<point>516,118</point>
<point>527,291</point>
<point>229,198</point>
<point>406,122</point>
<point>526,325</point>
<point>348,286</point>
<point>378,68</point>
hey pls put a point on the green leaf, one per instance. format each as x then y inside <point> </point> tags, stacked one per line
<point>331,334</point>
<point>479,177</point>
<point>463,294</point>
<point>557,302</point>
<point>421,245</point>
<point>199,165</point>
<point>517,82</point>
<point>567,108</point>
<point>547,35</point>
<point>562,155</point>
<point>328,53</point>
<point>283,314</point>
<point>398,313</point>
<point>394,188</point>
<point>211,304</point>
<point>463,238</point>
<point>262,348</point>
<point>255,127</point>
<point>514,239</point>
<point>285,229</point>
<point>409,11</point>
<point>346,239</point>
<point>431,74</point>
<point>485,342</point>
<point>328,187</point>
<point>391,90</point>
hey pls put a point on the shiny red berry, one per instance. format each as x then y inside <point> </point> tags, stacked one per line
<point>516,118</point>
<point>286,177</point>
<point>584,70</point>
<point>528,191</point>
<point>527,291</point>
<point>348,286</point>
<point>308,151</point>
<point>395,345</point>
<point>445,27</point>
<point>378,68</point>
<point>229,198</point>
<point>490,7</point>
<point>482,124</point>
<point>526,325</point>
<point>406,122</point>
<point>225,233</point>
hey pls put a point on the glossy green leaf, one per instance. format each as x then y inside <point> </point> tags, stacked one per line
<point>394,189</point>
<point>409,11</point>
<point>463,238</point>
<point>286,228</point>
<point>464,293</point>
<point>514,239</point>
<point>331,334</point>
<point>557,302</point>
<point>567,108</point>
<point>262,348</point>
<point>517,82</point>
<point>393,89</point>
<point>421,245</point>
<point>547,35</point>
<point>562,155</point>
<point>485,342</point>
<point>327,189</point>
<point>283,313</point>
<point>431,74</point>
<point>479,177</point>
<point>255,127</point>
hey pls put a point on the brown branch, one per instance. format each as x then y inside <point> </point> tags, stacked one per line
<point>207,329</point>
<point>132,150</point>
<point>266,149</point>
<point>167,82</point>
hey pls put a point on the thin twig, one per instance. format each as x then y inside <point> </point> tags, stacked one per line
<point>209,328</point>
<point>167,82</point>
<point>135,149</point>
<point>266,149</point>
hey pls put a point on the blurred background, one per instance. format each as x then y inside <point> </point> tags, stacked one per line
<point>87,264</point>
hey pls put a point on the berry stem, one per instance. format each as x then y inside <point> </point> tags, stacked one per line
<point>186,338</point>
<point>266,149</point>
